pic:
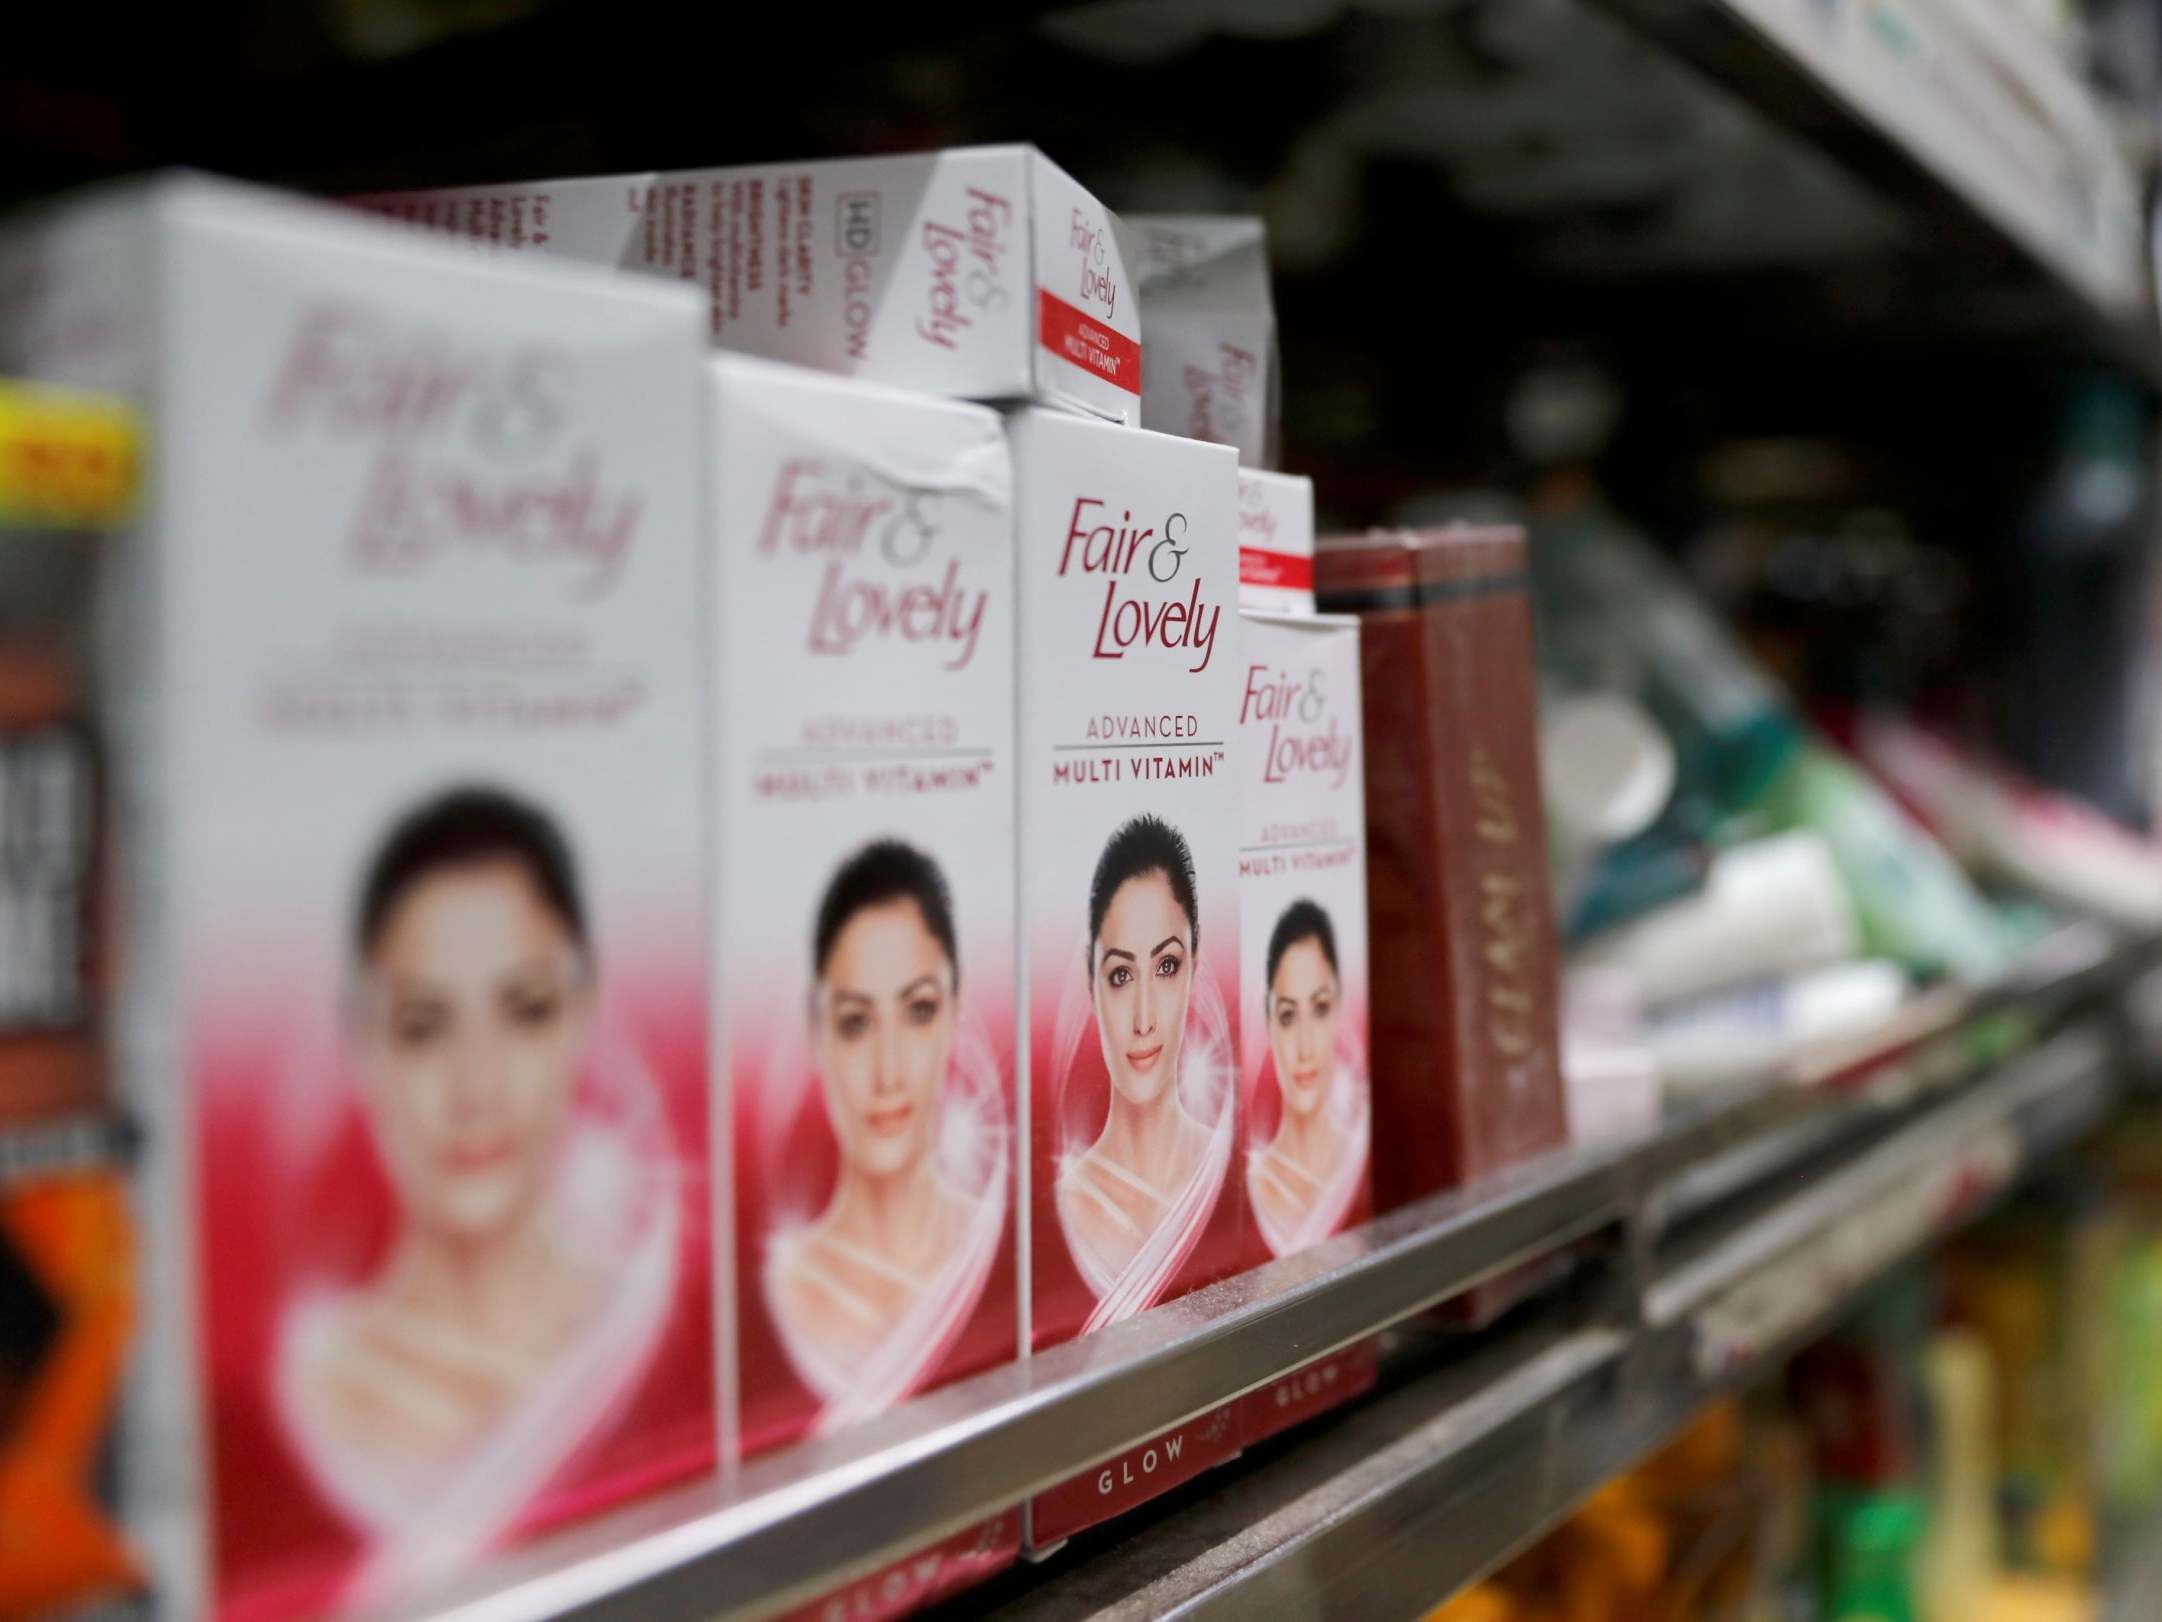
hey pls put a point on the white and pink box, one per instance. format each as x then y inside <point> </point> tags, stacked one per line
<point>1305,1084</point>
<point>1129,687</point>
<point>1276,542</point>
<point>404,704</point>
<point>983,273</point>
<point>864,917</point>
<point>1209,325</point>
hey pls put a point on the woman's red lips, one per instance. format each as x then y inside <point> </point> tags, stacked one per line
<point>888,1122</point>
<point>1142,1058</point>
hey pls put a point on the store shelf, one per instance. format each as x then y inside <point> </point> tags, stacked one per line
<point>1376,1514</point>
<point>1670,1305</point>
<point>1961,113</point>
<point>1425,1490</point>
<point>1756,1287</point>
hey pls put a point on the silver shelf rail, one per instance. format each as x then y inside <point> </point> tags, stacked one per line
<point>1392,1509</point>
<point>817,1515</point>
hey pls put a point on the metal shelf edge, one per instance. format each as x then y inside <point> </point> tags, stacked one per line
<point>1475,1476</point>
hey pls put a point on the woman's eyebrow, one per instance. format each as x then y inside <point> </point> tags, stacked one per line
<point>1118,951</point>
<point>1168,940</point>
<point>850,994</point>
<point>927,980</point>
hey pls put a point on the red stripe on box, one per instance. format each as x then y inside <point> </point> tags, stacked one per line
<point>1087,342</point>
<point>1288,569</point>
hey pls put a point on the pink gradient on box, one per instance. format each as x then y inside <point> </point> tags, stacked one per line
<point>300,1215</point>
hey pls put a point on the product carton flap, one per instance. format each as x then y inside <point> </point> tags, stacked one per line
<point>1205,261</point>
<point>914,441</point>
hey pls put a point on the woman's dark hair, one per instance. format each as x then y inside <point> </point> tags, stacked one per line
<point>457,829</point>
<point>1147,844</point>
<point>885,870</point>
<point>1302,921</point>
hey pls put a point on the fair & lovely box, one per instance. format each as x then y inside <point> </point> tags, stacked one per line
<point>402,694</point>
<point>1276,542</point>
<point>1130,675</point>
<point>1305,1085</point>
<point>985,273</point>
<point>1209,324</point>
<point>864,912</point>
<point>864,917</point>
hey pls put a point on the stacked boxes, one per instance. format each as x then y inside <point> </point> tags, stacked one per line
<point>983,273</point>
<point>498,681</point>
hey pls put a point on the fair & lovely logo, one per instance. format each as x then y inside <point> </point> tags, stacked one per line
<point>967,264</point>
<point>460,434</point>
<point>1315,743</point>
<point>1099,547</point>
<point>1091,238</point>
<point>870,534</point>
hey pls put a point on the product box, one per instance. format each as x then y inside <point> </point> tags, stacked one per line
<point>400,693</point>
<point>52,1064</point>
<point>864,917</point>
<point>1130,675</point>
<point>1209,325</point>
<point>1467,1072</point>
<point>1305,1086</point>
<point>987,273</point>
<point>67,1306</point>
<point>1276,542</point>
